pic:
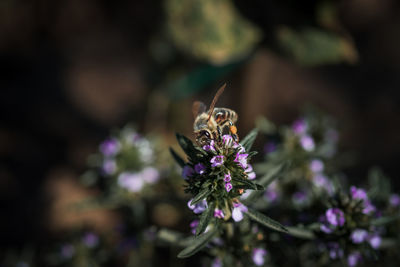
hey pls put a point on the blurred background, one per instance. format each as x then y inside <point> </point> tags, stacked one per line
<point>71,70</point>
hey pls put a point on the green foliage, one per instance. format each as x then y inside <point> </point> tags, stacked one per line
<point>198,243</point>
<point>265,221</point>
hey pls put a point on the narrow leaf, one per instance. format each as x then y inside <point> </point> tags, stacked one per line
<point>177,158</point>
<point>200,196</point>
<point>198,243</point>
<point>385,220</point>
<point>248,141</point>
<point>266,221</point>
<point>187,146</point>
<point>300,232</point>
<point>246,184</point>
<point>205,219</point>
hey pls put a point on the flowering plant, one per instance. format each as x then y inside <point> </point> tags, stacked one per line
<point>218,175</point>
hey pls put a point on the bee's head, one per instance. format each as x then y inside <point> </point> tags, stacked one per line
<point>203,136</point>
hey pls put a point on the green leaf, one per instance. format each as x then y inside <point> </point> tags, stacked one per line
<point>272,173</point>
<point>198,243</point>
<point>265,220</point>
<point>248,141</point>
<point>385,220</point>
<point>265,125</point>
<point>200,196</point>
<point>187,146</point>
<point>177,158</point>
<point>205,219</point>
<point>247,184</point>
<point>300,232</point>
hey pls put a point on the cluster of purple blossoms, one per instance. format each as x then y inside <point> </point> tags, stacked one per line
<point>300,128</point>
<point>112,147</point>
<point>319,180</point>
<point>109,149</point>
<point>333,219</point>
<point>228,184</point>
<point>359,236</point>
<point>135,181</point>
<point>361,194</point>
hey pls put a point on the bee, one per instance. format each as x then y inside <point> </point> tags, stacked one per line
<point>214,123</point>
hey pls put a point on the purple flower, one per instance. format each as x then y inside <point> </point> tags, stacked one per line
<point>325,228</point>
<point>67,251</point>
<point>218,214</point>
<point>358,193</point>
<point>258,256</point>
<point>394,200</point>
<point>150,175</point>
<point>251,175</point>
<point>299,126</point>
<point>358,236</point>
<point>300,198</point>
<point>368,207</point>
<point>241,159</point>
<point>335,216</point>
<point>90,240</point>
<point>335,252</point>
<point>237,212</point>
<point>316,166</point>
<point>227,140</point>
<point>354,258</point>
<point>322,181</point>
<point>217,161</point>
<point>109,166</point>
<point>193,226</point>
<point>307,143</point>
<point>132,182</point>
<point>227,177</point>
<point>217,262</point>
<point>198,207</point>
<point>237,145</point>
<point>228,187</point>
<point>269,147</point>
<point>110,147</point>
<point>187,172</point>
<point>271,195</point>
<point>200,168</point>
<point>375,241</point>
<point>210,146</point>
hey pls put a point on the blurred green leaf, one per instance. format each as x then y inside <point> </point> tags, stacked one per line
<point>311,46</point>
<point>265,221</point>
<point>198,243</point>
<point>300,232</point>
<point>200,196</point>
<point>205,218</point>
<point>248,141</point>
<point>177,158</point>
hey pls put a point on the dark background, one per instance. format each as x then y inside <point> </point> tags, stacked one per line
<point>72,70</point>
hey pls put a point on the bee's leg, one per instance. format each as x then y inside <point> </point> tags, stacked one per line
<point>219,134</point>
<point>235,137</point>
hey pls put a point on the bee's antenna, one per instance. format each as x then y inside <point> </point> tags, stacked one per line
<point>219,92</point>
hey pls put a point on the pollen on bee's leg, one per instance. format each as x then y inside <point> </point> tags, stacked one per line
<point>233,129</point>
<point>241,191</point>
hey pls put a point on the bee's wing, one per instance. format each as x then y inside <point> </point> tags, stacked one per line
<point>198,108</point>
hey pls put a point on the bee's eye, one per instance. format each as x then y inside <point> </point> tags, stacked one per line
<point>206,133</point>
